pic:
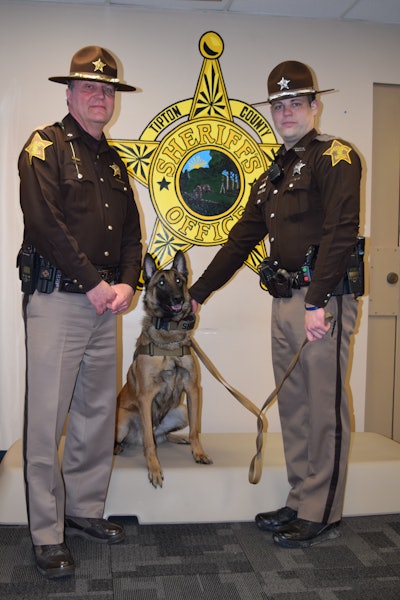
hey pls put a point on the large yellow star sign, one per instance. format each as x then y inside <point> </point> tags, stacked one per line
<point>199,157</point>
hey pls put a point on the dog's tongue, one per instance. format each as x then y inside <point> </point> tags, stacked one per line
<point>176,307</point>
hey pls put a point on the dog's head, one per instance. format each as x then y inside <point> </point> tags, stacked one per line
<point>166,293</point>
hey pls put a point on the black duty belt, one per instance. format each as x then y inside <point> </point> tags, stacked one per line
<point>68,284</point>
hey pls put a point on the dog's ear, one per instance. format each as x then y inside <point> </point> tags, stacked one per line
<point>180,263</point>
<point>149,268</point>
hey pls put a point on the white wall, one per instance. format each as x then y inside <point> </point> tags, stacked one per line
<point>159,53</point>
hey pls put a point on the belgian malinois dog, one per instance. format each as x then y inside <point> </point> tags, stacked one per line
<point>150,405</point>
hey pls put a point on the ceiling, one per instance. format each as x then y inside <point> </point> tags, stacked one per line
<point>375,11</point>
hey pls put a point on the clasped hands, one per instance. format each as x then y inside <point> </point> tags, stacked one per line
<point>115,298</point>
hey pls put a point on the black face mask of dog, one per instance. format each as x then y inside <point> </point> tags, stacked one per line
<point>171,300</point>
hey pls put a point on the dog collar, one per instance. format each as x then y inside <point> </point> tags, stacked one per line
<point>168,325</point>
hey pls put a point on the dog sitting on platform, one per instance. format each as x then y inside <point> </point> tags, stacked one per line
<point>150,405</point>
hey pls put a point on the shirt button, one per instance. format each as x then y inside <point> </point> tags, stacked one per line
<point>275,191</point>
<point>290,185</point>
<point>125,189</point>
<point>258,201</point>
<point>106,253</point>
<point>272,215</point>
<point>102,179</point>
<point>110,227</point>
<point>272,239</point>
<point>107,205</point>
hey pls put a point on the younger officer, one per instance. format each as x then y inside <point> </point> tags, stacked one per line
<point>79,265</point>
<point>308,204</point>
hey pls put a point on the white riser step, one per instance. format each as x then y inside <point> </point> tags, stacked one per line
<point>221,491</point>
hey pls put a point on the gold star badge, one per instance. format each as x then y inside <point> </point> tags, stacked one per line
<point>98,65</point>
<point>116,170</point>
<point>338,152</point>
<point>37,147</point>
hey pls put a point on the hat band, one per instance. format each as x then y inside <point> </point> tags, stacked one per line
<point>292,93</point>
<point>95,77</point>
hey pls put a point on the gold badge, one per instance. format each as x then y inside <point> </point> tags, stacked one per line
<point>338,152</point>
<point>116,170</point>
<point>37,147</point>
<point>98,65</point>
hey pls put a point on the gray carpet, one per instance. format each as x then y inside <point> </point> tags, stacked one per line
<point>221,561</point>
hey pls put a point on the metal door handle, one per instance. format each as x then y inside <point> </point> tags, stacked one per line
<point>392,278</point>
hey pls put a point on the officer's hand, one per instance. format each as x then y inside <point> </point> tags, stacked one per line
<point>100,296</point>
<point>315,324</point>
<point>195,305</point>
<point>123,298</point>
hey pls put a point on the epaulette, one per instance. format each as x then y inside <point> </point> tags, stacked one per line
<point>324,137</point>
<point>41,127</point>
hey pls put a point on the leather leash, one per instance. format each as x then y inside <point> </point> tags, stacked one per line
<point>255,470</point>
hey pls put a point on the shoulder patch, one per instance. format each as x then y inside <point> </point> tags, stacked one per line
<point>338,152</point>
<point>37,147</point>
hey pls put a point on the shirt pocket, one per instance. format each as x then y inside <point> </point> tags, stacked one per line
<point>121,195</point>
<point>78,188</point>
<point>297,197</point>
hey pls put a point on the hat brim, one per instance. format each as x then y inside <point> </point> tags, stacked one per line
<point>291,94</point>
<point>119,86</point>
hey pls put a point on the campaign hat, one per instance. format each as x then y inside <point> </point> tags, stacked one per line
<point>289,79</point>
<point>93,63</point>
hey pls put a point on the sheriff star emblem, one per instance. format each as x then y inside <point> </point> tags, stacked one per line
<point>338,152</point>
<point>116,170</point>
<point>37,147</point>
<point>298,167</point>
<point>284,83</point>
<point>98,65</point>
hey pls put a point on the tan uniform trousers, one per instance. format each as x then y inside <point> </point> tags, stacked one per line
<point>71,370</point>
<point>313,405</point>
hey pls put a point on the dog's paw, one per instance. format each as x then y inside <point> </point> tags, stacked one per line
<point>156,478</point>
<point>202,459</point>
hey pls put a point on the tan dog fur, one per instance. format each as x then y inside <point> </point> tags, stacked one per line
<point>150,405</point>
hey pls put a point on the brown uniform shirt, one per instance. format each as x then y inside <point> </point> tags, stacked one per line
<point>316,201</point>
<point>78,206</point>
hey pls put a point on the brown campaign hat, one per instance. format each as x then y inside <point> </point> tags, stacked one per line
<point>290,79</point>
<point>94,63</point>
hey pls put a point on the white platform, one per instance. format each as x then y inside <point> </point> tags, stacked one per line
<point>221,491</point>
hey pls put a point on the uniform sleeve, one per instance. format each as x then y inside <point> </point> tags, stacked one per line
<point>337,171</point>
<point>247,232</point>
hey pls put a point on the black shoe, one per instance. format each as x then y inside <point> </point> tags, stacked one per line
<point>54,560</point>
<point>276,519</point>
<point>303,534</point>
<point>97,530</point>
